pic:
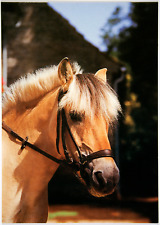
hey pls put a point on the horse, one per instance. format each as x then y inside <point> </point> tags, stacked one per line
<point>65,115</point>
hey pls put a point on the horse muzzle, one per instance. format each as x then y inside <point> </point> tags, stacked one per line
<point>100,177</point>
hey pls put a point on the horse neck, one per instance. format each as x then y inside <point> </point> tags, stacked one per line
<point>35,122</point>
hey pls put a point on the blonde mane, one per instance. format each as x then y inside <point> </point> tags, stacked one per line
<point>32,86</point>
<point>86,93</point>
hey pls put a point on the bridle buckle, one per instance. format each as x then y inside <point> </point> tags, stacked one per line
<point>24,143</point>
<point>83,160</point>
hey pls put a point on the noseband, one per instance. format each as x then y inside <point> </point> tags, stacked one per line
<point>83,159</point>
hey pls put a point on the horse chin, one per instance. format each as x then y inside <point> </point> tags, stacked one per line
<point>99,194</point>
<point>94,191</point>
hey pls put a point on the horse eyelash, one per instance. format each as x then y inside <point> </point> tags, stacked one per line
<point>76,117</point>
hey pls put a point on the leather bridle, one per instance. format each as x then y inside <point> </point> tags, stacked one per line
<point>83,159</point>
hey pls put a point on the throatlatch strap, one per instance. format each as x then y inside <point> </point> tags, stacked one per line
<point>26,143</point>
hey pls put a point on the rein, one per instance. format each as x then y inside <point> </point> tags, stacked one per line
<point>26,143</point>
<point>68,161</point>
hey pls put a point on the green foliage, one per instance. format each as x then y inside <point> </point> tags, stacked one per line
<point>110,38</point>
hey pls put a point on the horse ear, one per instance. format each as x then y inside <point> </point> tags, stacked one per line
<point>102,74</point>
<point>65,73</point>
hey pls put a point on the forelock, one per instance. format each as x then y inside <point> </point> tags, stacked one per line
<point>92,96</point>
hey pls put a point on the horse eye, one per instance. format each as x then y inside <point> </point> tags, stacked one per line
<point>75,117</point>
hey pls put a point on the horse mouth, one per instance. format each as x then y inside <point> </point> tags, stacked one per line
<point>100,191</point>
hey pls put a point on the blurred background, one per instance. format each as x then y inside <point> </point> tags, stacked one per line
<point>123,37</point>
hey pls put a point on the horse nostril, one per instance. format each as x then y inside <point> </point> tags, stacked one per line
<point>102,183</point>
<point>99,179</point>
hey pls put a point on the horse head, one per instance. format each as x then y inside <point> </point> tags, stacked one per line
<point>90,107</point>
